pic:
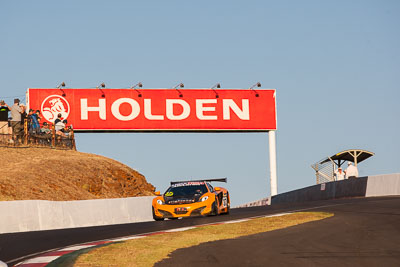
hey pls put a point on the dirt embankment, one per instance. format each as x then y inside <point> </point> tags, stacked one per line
<point>49,174</point>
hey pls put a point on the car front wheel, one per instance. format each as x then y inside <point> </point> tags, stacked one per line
<point>156,218</point>
<point>214,208</point>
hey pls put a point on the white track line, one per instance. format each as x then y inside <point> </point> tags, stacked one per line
<point>180,229</point>
<point>76,247</point>
<point>46,259</point>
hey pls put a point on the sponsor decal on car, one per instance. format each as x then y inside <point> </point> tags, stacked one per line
<point>187,184</point>
<point>224,201</point>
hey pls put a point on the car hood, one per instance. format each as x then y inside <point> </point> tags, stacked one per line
<point>176,200</point>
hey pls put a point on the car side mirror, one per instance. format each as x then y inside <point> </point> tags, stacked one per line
<point>158,193</point>
<point>217,188</point>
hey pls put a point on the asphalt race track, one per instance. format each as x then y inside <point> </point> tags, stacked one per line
<point>16,247</point>
<point>363,232</point>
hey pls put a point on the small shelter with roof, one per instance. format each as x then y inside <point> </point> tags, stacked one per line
<point>325,168</point>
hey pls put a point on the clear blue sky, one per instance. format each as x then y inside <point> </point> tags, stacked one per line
<point>335,65</point>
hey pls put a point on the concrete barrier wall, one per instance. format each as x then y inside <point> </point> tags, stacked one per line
<point>350,187</point>
<point>383,185</point>
<point>346,188</point>
<point>379,185</point>
<point>35,215</point>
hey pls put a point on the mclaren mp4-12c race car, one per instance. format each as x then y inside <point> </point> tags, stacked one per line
<point>191,198</point>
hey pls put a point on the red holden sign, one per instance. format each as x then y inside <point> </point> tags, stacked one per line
<point>158,109</point>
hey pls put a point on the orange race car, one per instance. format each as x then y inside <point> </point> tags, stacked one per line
<point>191,198</point>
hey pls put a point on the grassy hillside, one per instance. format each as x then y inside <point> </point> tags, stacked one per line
<point>49,174</point>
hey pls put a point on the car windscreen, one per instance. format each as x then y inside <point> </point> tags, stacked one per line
<point>186,189</point>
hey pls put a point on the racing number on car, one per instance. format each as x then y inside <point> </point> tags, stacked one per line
<point>224,201</point>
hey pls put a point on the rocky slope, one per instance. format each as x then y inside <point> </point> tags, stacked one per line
<point>49,174</point>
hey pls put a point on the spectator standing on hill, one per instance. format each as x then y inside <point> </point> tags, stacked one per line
<point>58,119</point>
<point>59,124</point>
<point>16,112</point>
<point>4,109</point>
<point>28,118</point>
<point>35,119</point>
<point>60,128</point>
<point>351,171</point>
<point>23,115</point>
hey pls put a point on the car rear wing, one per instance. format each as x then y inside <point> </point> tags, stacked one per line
<point>223,180</point>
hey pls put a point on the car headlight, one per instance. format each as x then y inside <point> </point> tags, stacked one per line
<point>204,198</point>
<point>159,202</point>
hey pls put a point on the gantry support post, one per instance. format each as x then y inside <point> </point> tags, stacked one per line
<point>272,163</point>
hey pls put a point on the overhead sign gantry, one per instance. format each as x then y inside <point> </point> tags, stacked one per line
<point>122,110</point>
<point>162,110</point>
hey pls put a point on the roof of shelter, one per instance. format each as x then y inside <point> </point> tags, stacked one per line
<point>348,155</point>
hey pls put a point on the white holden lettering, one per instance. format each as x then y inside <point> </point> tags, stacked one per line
<point>85,109</point>
<point>170,109</point>
<point>134,105</point>
<point>206,109</point>
<point>200,109</point>
<point>229,104</point>
<point>147,111</point>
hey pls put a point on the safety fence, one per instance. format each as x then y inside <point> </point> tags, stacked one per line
<point>46,135</point>
<point>324,171</point>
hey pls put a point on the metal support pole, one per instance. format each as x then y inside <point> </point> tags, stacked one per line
<point>72,136</point>
<point>53,136</point>
<point>272,163</point>
<point>25,132</point>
